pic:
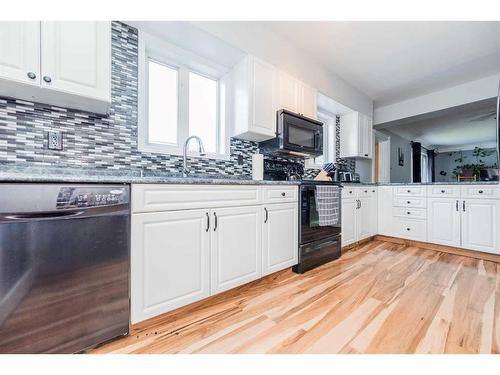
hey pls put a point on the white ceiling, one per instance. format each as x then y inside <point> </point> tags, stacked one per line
<point>458,128</point>
<point>393,61</point>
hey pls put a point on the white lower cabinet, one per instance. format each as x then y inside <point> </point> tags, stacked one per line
<point>279,237</point>
<point>235,247</point>
<point>359,215</point>
<point>170,260</point>
<point>205,240</point>
<point>480,225</point>
<point>443,221</point>
<point>367,217</point>
<point>349,227</point>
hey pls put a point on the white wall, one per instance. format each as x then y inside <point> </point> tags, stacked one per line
<point>256,39</point>
<point>399,173</point>
<point>469,92</point>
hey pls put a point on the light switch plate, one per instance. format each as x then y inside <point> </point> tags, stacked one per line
<point>54,140</point>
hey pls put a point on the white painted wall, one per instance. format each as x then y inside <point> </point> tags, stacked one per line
<point>256,39</point>
<point>469,92</point>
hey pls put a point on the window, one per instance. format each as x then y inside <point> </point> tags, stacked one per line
<point>180,94</point>
<point>328,156</point>
<point>162,104</point>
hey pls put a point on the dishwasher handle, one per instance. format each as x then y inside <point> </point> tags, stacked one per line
<point>41,215</point>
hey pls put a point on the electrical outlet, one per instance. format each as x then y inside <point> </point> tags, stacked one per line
<point>54,140</point>
<point>240,159</point>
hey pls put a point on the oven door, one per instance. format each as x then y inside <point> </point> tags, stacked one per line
<point>310,230</point>
<point>301,135</point>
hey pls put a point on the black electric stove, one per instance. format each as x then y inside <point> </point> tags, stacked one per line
<point>317,244</point>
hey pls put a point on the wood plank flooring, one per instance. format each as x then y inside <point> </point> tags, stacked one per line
<point>379,298</point>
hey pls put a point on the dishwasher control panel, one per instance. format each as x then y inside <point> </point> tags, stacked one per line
<point>80,197</point>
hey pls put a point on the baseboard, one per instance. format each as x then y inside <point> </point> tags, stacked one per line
<point>441,248</point>
<point>357,244</point>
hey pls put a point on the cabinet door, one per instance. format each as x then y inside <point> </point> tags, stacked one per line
<point>288,92</point>
<point>349,225</point>
<point>480,223</point>
<point>76,58</point>
<point>443,221</point>
<point>308,102</point>
<point>236,247</point>
<point>365,135</point>
<point>366,217</point>
<point>20,51</point>
<point>349,135</point>
<point>263,98</point>
<point>279,237</point>
<point>170,260</point>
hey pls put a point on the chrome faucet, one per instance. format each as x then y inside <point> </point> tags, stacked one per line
<point>201,150</point>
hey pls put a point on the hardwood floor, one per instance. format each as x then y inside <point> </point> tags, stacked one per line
<point>379,298</point>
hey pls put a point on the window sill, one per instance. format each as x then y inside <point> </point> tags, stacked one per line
<point>177,151</point>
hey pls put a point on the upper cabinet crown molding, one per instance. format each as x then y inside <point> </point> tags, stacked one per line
<point>66,64</point>
<point>258,90</point>
<point>356,136</point>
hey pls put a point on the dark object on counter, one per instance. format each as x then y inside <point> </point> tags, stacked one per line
<point>64,266</point>
<point>296,135</point>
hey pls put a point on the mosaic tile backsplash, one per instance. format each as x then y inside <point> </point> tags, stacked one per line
<point>105,142</point>
<point>102,142</point>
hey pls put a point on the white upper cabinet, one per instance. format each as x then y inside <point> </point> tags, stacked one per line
<point>253,99</point>
<point>289,92</point>
<point>20,52</point>
<point>76,58</point>
<point>296,96</point>
<point>257,91</point>
<point>356,136</point>
<point>66,64</point>
<point>309,102</point>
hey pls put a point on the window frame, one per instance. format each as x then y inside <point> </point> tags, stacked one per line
<point>329,142</point>
<point>172,56</point>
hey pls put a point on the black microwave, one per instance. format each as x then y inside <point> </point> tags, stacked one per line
<point>295,135</point>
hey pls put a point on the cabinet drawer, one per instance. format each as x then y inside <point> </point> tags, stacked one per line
<point>446,191</point>
<point>158,197</point>
<point>349,192</point>
<point>367,191</point>
<point>481,191</point>
<point>410,213</point>
<point>415,202</point>
<point>410,191</point>
<point>280,194</point>
<point>411,229</point>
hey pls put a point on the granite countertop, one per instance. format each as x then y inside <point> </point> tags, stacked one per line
<point>17,173</point>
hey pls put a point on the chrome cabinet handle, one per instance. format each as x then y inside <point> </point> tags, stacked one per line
<point>267,215</point>
<point>31,75</point>
<point>283,194</point>
<point>442,191</point>
<point>481,192</point>
<point>456,205</point>
<point>208,222</point>
<point>463,206</point>
<point>47,79</point>
<point>215,224</point>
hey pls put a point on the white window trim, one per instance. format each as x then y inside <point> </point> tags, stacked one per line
<point>330,149</point>
<point>152,48</point>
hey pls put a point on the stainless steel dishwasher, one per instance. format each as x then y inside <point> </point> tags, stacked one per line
<point>64,266</point>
